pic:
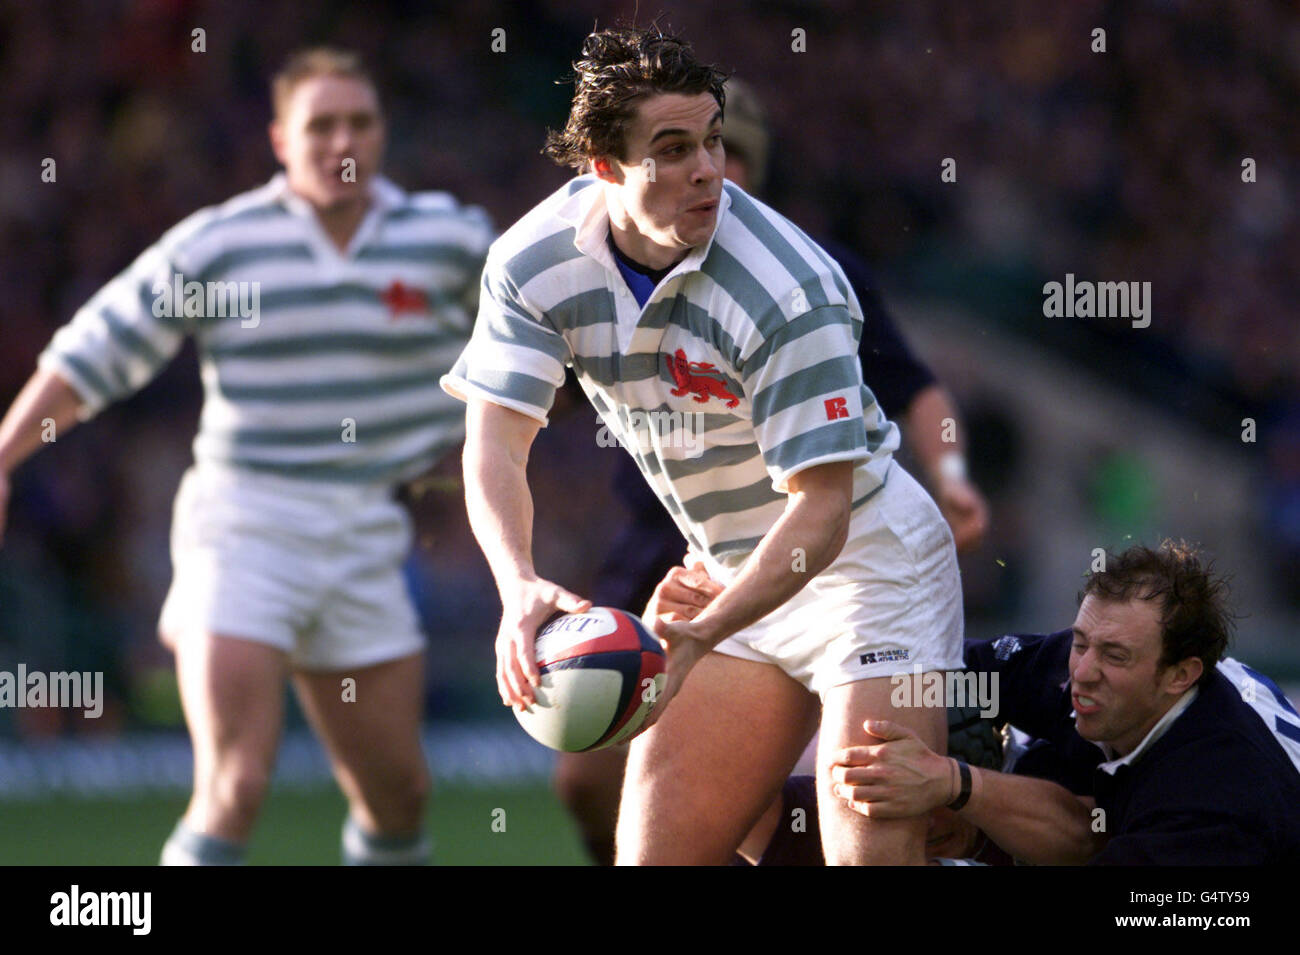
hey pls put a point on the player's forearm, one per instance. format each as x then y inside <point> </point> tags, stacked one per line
<point>803,543</point>
<point>45,400</point>
<point>1035,820</point>
<point>500,509</point>
<point>933,431</point>
<point>499,504</point>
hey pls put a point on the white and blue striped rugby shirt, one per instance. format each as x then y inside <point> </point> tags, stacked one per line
<point>740,370</point>
<point>360,337</point>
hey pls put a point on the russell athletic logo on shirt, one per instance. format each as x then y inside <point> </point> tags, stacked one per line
<point>698,378</point>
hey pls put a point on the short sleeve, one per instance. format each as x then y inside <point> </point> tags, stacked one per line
<point>120,339</point>
<point>806,394</point>
<point>514,357</point>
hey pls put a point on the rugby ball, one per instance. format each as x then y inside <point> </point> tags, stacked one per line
<point>601,672</point>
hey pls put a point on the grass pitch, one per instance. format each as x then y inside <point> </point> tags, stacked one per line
<point>521,825</point>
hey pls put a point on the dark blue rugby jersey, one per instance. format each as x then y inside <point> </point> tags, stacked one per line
<point>1216,789</point>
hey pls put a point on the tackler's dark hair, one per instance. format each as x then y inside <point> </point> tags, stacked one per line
<point>1194,617</point>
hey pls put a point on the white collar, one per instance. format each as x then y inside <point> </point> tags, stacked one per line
<point>1157,731</point>
<point>384,196</point>
<point>587,212</point>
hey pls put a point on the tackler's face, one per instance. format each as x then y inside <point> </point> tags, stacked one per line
<point>330,139</point>
<point>1117,686</point>
<point>670,178</point>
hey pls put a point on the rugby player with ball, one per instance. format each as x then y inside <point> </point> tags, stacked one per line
<point>667,289</point>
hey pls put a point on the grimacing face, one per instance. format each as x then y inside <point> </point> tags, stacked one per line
<point>671,203</point>
<point>1118,690</point>
<point>327,120</point>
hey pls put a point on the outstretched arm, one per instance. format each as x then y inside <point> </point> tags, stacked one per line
<point>46,398</point>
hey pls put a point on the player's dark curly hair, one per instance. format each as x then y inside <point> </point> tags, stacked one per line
<point>618,68</point>
<point>1194,617</point>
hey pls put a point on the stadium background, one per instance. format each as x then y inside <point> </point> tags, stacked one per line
<point>1118,166</point>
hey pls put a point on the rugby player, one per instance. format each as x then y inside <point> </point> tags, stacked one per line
<point>670,293</point>
<point>650,545</point>
<point>1195,757</point>
<point>287,541</point>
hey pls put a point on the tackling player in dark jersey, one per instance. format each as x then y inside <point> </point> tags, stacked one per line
<point>1195,758</point>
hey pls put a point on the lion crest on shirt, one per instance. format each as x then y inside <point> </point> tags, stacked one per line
<point>698,378</point>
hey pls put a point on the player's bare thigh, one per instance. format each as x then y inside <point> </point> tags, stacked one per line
<point>369,720</point>
<point>232,691</point>
<point>848,837</point>
<point>703,774</point>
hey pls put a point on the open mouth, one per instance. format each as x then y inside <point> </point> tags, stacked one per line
<point>1084,704</point>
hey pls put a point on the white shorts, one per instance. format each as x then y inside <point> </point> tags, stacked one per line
<point>311,568</point>
<point>890,601</point>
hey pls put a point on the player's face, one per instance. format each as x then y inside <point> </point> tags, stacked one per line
<point>672,199</point>
<point>1117,687</point>
<point>328,121</point>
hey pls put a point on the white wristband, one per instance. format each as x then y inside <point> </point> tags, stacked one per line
<point>951,466</point>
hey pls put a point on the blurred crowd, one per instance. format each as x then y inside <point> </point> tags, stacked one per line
<point>1122,165</point>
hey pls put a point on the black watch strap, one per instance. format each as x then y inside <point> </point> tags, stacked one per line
<point>964,796</point>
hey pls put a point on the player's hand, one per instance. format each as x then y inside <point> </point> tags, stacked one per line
<point>682,594</point>
<point>684,646</point>
<point>526,608</point>
<point>965,510</point>
<point>893,779</point>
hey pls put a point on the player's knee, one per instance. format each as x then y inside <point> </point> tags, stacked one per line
<point>240,790</point>
<point>410,789</point>
<point>849,838</point>
<point>398,804</point>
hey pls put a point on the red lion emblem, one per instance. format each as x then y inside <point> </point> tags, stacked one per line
<point>403,298</point>
<point>698,378</point>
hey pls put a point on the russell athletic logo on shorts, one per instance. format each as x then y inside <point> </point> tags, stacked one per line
<point>882,656</point>
<point>699,378</point>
